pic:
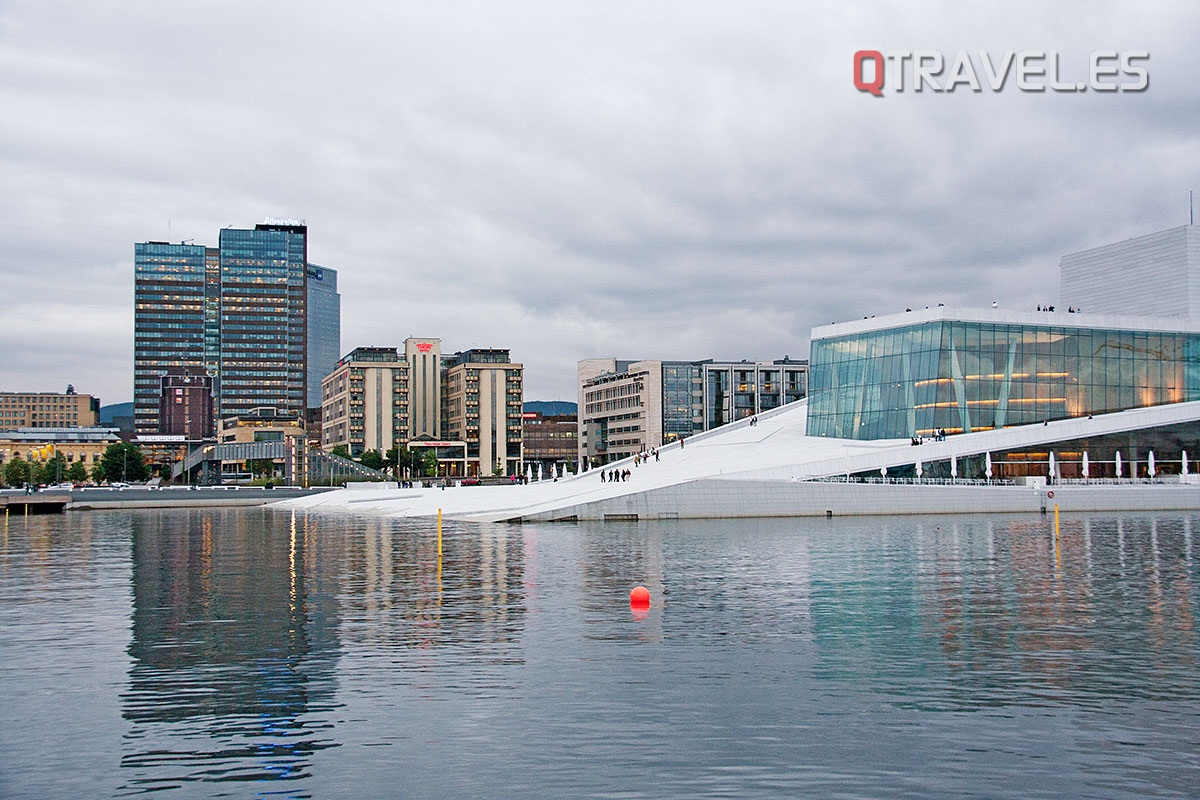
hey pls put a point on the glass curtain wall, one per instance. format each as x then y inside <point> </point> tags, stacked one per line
<point>964,376</point>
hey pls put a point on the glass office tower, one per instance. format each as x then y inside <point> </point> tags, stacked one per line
<point>237,313</point>
<point>264,336</point>
<point>973,372</point>
<point>175,322</point>
<point>324,329</point>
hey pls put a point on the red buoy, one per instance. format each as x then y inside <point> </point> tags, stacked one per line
<point>639,598</point>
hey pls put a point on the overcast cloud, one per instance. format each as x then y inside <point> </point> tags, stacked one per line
<point>569,179</point>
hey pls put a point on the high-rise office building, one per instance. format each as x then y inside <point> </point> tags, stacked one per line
<point>264,325</point>
<point>324,328</point>
<point>176,322</point>
<point>239,313</point>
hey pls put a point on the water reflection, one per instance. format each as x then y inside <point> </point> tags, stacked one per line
<point>299,655</point>
<point>234,649</point>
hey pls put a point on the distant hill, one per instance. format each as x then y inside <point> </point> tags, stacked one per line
<point>115,410</point>
<point>552,407</point>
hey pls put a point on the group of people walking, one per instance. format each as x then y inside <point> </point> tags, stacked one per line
<point>617,475</point>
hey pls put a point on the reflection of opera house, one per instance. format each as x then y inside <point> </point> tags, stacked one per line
<point>944,409</point>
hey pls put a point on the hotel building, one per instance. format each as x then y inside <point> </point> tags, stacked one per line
<point>483,394</point>
<point>366,402</point>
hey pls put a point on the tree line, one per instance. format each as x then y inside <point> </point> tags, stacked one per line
<point>120,461</point>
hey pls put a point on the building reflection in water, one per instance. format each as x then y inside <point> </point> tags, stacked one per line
<point>992,611</point>
<point>233,649</point>
<point>401,600</point>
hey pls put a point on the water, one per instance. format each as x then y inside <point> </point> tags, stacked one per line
<point>252,653</point>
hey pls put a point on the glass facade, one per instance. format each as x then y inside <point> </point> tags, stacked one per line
<point>173,298</point>
<point>681,409</point>
<point>324,328</point>
<point>963,376</point>
<point>263,319</point>
<point>238,313</point>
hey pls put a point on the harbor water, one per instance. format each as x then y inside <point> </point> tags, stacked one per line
<point>265,653</point>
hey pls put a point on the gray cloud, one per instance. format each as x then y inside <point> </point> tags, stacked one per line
<point>676,180</point>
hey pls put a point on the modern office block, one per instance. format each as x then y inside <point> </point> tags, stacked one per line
<point>176,320</point>
<point>324,328</point>
<point>237,313</point>
<point>628,407</point>
<point>264,336</point>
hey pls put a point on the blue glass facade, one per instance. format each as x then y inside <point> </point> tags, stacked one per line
<point>324,328</point>
<point>963,376</point>
<point>264,336</point>
<point>238,313</point>
<point>174,294</point>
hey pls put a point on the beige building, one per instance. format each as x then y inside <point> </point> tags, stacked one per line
<point>84,445</point>
<point>261,425</point>
<point>483,397</point>
<point>424,358</point>
<point>48,410</point>
<point>628,407</point>
<point>365,402</point>
<point>620,407</point>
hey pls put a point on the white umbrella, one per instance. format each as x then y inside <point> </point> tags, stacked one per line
<point>1150,464</point>
<point>529,472</point>
<point>919,470</point>
<point>987,465</point>
<point>883,472</point>
<point>554,471</point>
<point>1052,465</point>
<point>539,470</point>
<point>1118,463</point>
<point>954,467</point>
<point>1085,464</point>
<point>1183,460</point>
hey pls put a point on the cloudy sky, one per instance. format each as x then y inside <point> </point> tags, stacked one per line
<point>570,179</point>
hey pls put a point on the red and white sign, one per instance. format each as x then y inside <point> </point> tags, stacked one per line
<point>424,347</point>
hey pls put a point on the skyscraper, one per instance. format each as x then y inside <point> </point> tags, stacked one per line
<point>175,320</point>
<point>264,302</point>
<point>324,328</point>
<point>238,313</point>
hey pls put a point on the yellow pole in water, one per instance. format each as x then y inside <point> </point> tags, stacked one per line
<point>1056,520</point>
<point>439,536</point>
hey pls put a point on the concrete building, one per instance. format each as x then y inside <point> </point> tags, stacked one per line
<point>627,407</point>
<point>366,402</point>
<point>48,410</point>
<point>424,357</point>
<point>1156,275</point>
<point>483,395</point>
